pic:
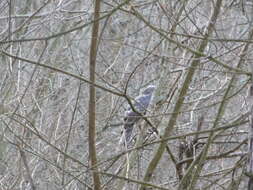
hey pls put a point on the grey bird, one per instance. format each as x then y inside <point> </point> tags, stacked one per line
<point>140,104</point>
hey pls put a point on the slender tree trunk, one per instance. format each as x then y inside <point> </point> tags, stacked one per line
<point>250,154</point>
<point>92,100</point>
<point>250,151</point>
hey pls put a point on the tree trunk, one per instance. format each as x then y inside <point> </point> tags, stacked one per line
<point>92,100</point>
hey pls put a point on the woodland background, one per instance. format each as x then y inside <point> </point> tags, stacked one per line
<point>198,53</point>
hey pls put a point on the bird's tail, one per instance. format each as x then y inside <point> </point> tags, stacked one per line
<point>127,134</point>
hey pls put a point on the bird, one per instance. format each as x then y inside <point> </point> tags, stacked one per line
<point>131,117</point>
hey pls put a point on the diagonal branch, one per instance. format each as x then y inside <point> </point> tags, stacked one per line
<point>182,94</point>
